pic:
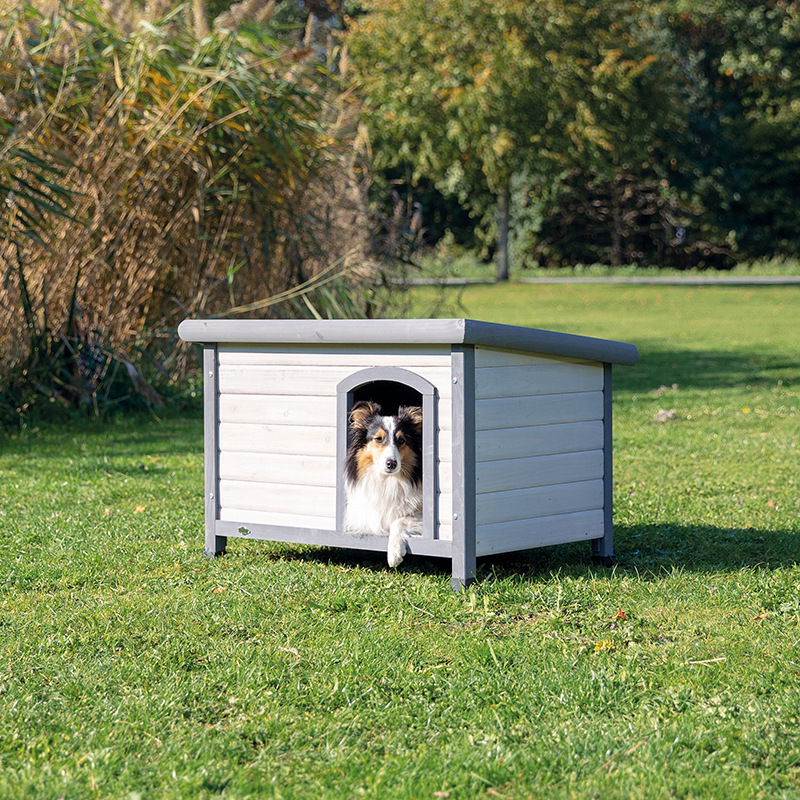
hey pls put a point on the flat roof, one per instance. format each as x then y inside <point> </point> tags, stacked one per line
<point>407,331</point>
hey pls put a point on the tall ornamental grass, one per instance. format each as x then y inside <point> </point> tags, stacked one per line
<point>150,169</point>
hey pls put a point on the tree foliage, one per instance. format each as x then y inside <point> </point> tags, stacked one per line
<point>661,133</point>
<point>742,89</point>
<point>472,93</point>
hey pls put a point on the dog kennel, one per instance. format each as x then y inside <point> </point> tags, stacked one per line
<point>517,444</point>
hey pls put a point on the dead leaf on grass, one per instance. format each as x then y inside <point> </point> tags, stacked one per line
<point>662,415</point>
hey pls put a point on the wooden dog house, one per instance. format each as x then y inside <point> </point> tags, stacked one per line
<point>516,431</point>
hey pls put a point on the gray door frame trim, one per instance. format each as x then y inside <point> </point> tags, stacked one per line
<point>430,427</point>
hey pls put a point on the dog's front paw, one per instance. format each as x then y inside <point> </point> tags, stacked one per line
<point>396,552</point>
<point>397,545</point>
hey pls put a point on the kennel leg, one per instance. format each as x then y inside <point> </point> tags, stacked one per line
<point>603,549</point>
<point>215,545</point>
<point>464,570</point>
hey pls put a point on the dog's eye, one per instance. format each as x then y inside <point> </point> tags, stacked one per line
<point>379,437</point>
<point>401,440</point>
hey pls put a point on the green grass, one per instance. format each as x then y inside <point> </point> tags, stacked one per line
<point>448,261</point>
<point>132,667</point>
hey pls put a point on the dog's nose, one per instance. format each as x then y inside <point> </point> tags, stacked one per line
<point>391,464</point>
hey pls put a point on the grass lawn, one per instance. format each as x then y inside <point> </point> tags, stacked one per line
<point>132,667</point>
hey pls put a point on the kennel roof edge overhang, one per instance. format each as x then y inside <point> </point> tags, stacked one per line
<point>407,331</point>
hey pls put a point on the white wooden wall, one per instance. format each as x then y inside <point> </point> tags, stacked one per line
<point>539,450</point>
<point>277,428</point>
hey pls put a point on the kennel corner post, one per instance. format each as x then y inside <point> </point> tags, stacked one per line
<point>215,545</point>
<point>464,522</point>
<point>603,548</point>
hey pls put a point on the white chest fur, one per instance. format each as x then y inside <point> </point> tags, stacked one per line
<point>378,500</point>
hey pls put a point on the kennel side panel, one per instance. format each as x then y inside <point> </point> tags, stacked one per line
<point>277,429</point>
<point>539,448</point>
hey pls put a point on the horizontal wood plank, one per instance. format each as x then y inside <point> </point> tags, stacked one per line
<point>550,378</point>
<point>521,473</point>
<point>493,357</point>
<point>296,519</point>
<point>275,532</point>
<point>277,409</point>
<point>301,440</point>
<point>538,440</point>
<point>289,470</point>
<point>511,536</point>
<point>272,468</point>
<point>310,380</point>
<point>353,357</point>
<point>515,412</point>
<point>539,501</point>
<point>302,521</point>
<point>281,498</point>
<point>297,440</point>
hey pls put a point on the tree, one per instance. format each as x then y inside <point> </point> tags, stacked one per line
<point>742,82</point>
<point>614,202</point>
<point>472,93</point>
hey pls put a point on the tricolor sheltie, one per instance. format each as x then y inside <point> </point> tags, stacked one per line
<point>383,475</point>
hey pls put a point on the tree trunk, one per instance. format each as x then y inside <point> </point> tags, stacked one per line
<point>617,223</point>
<point>503,203</point>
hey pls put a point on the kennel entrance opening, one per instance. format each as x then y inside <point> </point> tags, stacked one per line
<point>392,387</point>
<point>389,395</point>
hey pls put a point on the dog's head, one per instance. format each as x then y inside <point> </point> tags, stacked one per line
<point>389,445</point>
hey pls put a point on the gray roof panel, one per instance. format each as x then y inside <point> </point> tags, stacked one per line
<point>407,331</point>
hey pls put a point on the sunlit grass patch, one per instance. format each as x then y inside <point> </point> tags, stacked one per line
<point>130,665</point>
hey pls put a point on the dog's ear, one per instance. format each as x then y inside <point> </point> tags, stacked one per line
<point>414,413</point>
<point>361,412</point>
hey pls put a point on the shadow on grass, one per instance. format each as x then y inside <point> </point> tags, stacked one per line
<point>704,548</point>
<point>705,369</point>
<point>646,550</point>
<point>653,549</point>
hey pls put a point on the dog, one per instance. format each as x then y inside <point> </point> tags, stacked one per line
<point>383,475</point>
